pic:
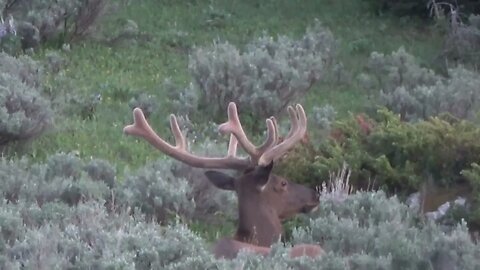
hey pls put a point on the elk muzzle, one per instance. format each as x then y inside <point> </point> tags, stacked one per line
<point>301,199</point>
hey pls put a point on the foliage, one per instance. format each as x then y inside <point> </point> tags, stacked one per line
<point>54,62</point>
<point>458,95</point>
<point>472,174</point>
<point>213,205</point>
<point>265,77</point>
<point>397,77</point>
<point>63,178</point>
<point>7,27</point>
<point>117,73</point>
<point>357,234</point>
<point>127,34</point>
<point>160,190</point>
<point>323,119</point>
<point>167,188</point>
<point>157,192</point>
<point>183,101</point>
<point>299,165</point>
<point>462,42</point>
<point>146,102</point>
<point>8,33</point>
<point>87,236</point>
<point>418,93</point>
<point>400,8</point>
<point>72,104</point>
<point>65,96</point>
<point>423,8</point>
<point>24,113</point>
<point>376,232</point>
<point>117,70</point>
<point>384,152</point>
<point>102,170</point>
<point>42,21</point>
<point>24,68</point>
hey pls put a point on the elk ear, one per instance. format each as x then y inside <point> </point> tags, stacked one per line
<point>263,174</point>
<point>221,180</point>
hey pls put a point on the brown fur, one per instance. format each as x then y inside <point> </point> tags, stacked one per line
<point>264,201</point>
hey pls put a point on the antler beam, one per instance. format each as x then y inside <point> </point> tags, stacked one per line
<point>141,128</point>
<point>262,155</point>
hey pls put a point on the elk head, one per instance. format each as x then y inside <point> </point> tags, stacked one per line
<point>264,199</point>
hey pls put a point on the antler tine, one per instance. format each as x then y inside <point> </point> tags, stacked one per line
<point>234,126</point>
<point>293,114</point>
<point>272,136</point>
<point>180,140</point>
<point>277,133</point>
<point>297,131</point>
<point>232,146</point>
<point>141,128</point>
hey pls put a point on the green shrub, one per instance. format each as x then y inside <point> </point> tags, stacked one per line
<point>400,8</point>
<point>418,93</point>
<point>299,166</point>
<point>160,190</point>
<point>156,192</point>
<point>423,8</point>
<point>57,22</point>
<point>10,222</point>
<point>459,95</point>
<point>323,119</point>
<point>472,174</point>
<point>462,42</point>
<point>64,165</point>
<point>66,179</point>
<point>147,103</point>
<point>127,33</point>
<point>212,206</point>
<point>27,70</point>
<point>63,178</point>
<point>396,77</point>
<point>183,101</point>
<point>54,62</point>
<point>364,231</point>
<point>396,156</point>
<point>8,33</point>
<point>78,105</point>
<point>102,170</point>
<point>88,237</point>
<point>13,178</point>
<point>262,79</point>
<point>387,152</point>
<point>372,231</point>
<point>24,113</point>
<point>36,216</point>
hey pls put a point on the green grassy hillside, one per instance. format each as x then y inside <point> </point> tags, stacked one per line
<point>118,73</point>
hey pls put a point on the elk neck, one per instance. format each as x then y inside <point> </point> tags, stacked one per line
<point>258,223</point>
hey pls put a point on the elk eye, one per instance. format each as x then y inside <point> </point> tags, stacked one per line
<point>284,183</point>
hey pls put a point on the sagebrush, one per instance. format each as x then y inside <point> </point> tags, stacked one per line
<point>399,83</point>
<point>89,235</point>
<point>24,112</point>
<point>262,79</point>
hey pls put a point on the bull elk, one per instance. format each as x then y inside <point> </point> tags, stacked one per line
<point>264,199</point>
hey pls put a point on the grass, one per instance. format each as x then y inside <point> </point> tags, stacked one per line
<point>118,73</point>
